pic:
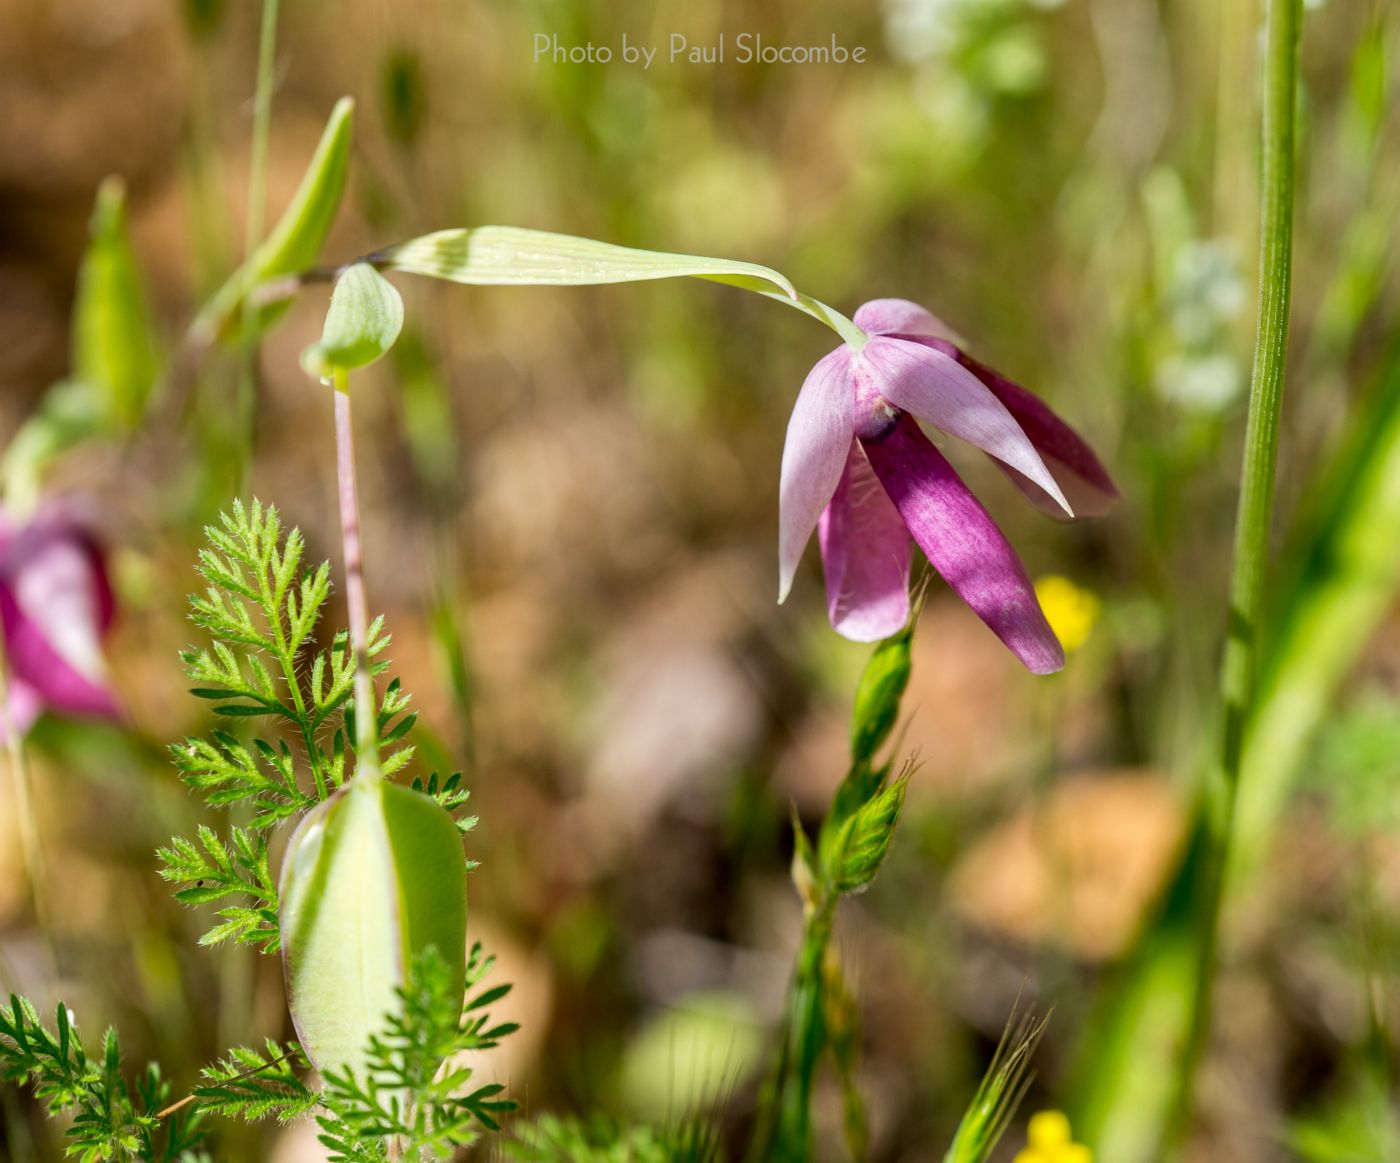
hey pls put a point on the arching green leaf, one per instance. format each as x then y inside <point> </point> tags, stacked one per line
<point>509,255</point>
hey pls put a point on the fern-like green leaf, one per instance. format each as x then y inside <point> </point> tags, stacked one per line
<point>214,871</point>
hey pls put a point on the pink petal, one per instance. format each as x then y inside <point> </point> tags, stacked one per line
<point>963,543</point>
<point>53,602</point>
<point>865,556</point>
<point>25,706</point>
<point>1078,471</point>
<point>899,317</point>
<point>818,439</point>
<point>925,380</point>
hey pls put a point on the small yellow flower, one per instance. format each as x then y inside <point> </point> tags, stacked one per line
<point>1072,612</point>
<point>1049,1140</point>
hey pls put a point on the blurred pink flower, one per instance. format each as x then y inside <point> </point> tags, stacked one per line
<point>857,464</point>
<point>55,606</point>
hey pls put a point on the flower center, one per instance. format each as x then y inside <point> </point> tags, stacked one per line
<point>872,416</point>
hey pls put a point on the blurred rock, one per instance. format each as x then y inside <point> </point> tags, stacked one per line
<point>570,495</point>
<point>672,963</point>
<point>676,709</point>
<point>1077,869</point>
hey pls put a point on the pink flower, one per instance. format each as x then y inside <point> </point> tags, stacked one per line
<point>55,606</point>
<point>857,463</point>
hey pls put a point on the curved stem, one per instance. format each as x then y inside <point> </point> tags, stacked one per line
<point>1254,516</point>
<point>366,712</point>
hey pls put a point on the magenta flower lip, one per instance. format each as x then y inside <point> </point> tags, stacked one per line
<point>55,607</point>
<point>857,465</point>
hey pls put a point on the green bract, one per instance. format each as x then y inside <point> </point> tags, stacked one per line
<point>863,841</point>
<point>365,317</point>
<point>372,878</point>
<point>296,240</point>
<point>113,351</point>
<point>881,687</point>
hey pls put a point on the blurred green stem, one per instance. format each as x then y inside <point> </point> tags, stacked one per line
<point>232,435</point>
<point>854,837</point>
<point>255,221</point>
<point>784,1133</point>
<point>366,743</point>
<point>1253,520</point>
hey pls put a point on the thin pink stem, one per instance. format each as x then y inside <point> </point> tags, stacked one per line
<point>366,711</point>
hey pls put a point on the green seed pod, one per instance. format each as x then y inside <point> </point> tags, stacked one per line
<point>372,877</point>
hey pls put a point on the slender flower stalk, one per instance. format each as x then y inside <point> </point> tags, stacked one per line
<point>366,742</point>
<point>56,604</point>
<point>1254,515</point>
<point>31,849</point>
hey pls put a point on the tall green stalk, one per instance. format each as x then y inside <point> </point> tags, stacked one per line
<point>237,972</point>
<point>255,222</point>
<point>1253,521</point>
<point>851,845</point>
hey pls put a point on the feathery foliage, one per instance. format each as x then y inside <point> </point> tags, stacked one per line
<point>110,1120</point>
<point>255,1085</point>
<point>413,1091</point>
<point>261,606</point>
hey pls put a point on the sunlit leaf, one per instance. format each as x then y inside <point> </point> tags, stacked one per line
<point>509,255</point>
<point>365,317</point>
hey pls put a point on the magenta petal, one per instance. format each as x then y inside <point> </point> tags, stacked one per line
<point>963,543</point>
<point>814,455</point>
<point>865,556</point>
<point>1078,471</point>
<point>931,384</point>
<point>24,707</point>
<point>52,604</point>
<point>899,317</point>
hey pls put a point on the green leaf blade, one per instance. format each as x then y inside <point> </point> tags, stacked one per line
<point>513,256</point>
